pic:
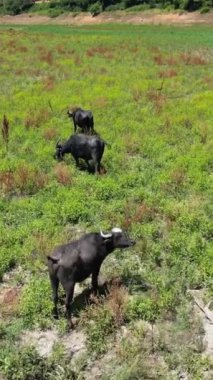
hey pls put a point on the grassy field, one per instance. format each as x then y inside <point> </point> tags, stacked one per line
<point>150,89</point>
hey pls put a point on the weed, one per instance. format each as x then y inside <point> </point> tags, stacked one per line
<point>5,131</point>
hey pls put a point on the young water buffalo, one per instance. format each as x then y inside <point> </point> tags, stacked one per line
<point>84,119</point>
<point>75,261</point>
<point>82,146</point>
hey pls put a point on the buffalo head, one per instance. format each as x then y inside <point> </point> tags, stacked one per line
<point>118,238</point>
<point>58,152</point>
<point>70,113</point>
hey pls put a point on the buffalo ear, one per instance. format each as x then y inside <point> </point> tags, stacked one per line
<point>53,259</point>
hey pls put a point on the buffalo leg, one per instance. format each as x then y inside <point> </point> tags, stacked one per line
<point>95,280</point>
<point>69,296</point>
<point>77,161</point>
<point>97,167</point>
<point>54,283</point>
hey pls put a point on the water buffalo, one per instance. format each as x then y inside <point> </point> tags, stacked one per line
<point>82,146</point>
<point>84,119</point>
<point>75,261</point>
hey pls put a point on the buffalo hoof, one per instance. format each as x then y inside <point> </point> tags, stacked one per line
<point>72,323</point>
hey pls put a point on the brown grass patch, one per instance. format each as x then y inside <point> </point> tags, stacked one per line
<point>62,174</point>
<point>167,74</point>
<point>117,302</point>
<point>50,134</point>
<point>176,180</point>
<point>192,59</point>
<point>171,61</point>
<point>35,118</point>
<point>22,181</point>
<point>19,72</point>
<point>77,61</point>
<point>9,302</point>
<point>100,50</point>
<point>159,59</point>
<point>11,43</point>
<point>7,182</point>
<point>157,98</point>
<point>135,213</point>
<point>60,49</point>
<point>22,49</point>
<point>49,83</point>
<point>46,57</point>
<point>101,102</point>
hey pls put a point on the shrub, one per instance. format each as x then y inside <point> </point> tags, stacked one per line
<point>35,303</point>
<point>27,364</point>
<point>98,327</point>
<point>95,8</point>
<point>204,10</point>
<point>142,308</point>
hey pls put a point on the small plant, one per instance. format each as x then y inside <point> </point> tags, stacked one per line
<point>5,131</point>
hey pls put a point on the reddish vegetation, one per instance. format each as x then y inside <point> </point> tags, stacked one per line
<point>62,174</point>
<point>157,98</point>
<point>22,181</point>
<point>6,181</point>
<point>22,49</point>
<point>141,213</point>
<point>100,50</point>
<point>46,57</point>
<point>168,73</point>
<point>9,301</point>
<point>184,58</point>
<point>117,301</point>
<point>192,59</point>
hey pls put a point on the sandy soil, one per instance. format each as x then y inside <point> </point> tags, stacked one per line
<point>115,17</point>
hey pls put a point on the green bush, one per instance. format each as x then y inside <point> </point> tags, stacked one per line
<point>95,8</point>
<point>142,308</point>
<point>204,9</point>
<point>98,328</point>
<point>27,364</point>
<point>36,301</point>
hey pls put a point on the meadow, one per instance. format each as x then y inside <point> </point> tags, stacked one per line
<point>150,89</point>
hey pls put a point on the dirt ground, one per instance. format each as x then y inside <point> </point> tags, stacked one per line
<point>139,18</point>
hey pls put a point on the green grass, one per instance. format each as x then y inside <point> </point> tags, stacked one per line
<point>150,89</point>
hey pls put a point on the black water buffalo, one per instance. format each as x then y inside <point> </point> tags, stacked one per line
<point>84,119</point>
<point>75,261</point>
<point>82,146</point>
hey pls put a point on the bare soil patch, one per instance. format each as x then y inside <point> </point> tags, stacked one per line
<point>139,18</point>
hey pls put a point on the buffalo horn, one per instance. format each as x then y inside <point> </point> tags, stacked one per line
<point>105,236</point>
